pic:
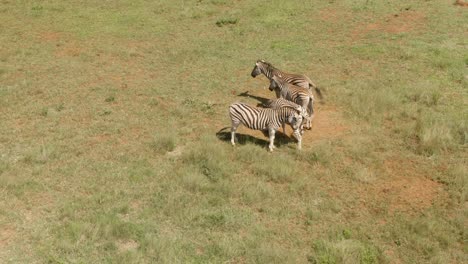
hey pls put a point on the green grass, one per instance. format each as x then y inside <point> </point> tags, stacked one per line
<point>110,150</point>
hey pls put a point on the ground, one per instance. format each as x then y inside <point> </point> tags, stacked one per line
<point>111,148</point>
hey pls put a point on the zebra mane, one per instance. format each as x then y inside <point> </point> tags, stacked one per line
<point>267,64</point>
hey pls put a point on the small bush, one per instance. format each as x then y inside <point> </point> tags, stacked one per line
<point>195,181</point>
<point>458,178</point>
<point>110,99</point>
<point>105,112</point>
<point>44,111</point>
<point>226,21</point>
<point>163,144</point>
<point>59,107</point>
<point>436,134</point>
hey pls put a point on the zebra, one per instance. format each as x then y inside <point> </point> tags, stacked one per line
<point>281,103</point>
<point>269,71</point>
<point>296,94</point>
<point>265,119</point>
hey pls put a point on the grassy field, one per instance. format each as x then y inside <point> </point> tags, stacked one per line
<point>110,150</point>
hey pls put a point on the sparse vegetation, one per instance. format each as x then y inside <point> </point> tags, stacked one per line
<point>111,149</point>
<point>226,21</point>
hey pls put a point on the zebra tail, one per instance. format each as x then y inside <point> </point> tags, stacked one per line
<point>317,90</point>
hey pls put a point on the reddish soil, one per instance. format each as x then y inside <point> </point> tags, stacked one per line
<point>407,189</point>
<point>403,22</point>
<point>49,36</point>
<point>402,188</point>
<point>461,3</point>
<point>334,15</point>
<point>6,236</point>
<point>328,123</point>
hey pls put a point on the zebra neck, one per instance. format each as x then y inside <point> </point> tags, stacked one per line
<point>283,115</point>
<point>285,92</point>
<point>270,71</point>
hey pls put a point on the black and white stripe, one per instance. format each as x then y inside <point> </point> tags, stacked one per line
<point>265,119</point>
<point>281,103</point>
<point>269,71</point>
<point>296,94</point>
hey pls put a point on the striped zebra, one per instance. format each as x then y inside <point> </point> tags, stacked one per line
<point>296,94</point>
<point>265,119</point>
<point>281,103</point>
<point>269,71</point>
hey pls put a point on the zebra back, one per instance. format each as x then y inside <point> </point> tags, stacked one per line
<point>300,80</point>
<point>264,118</point>
<point>290,92</point>
<point>281,102</point>
<point>269,71</point>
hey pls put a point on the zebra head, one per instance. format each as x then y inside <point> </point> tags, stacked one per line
<point>302,111</point>
<point>275,83</point>
<point>296,120</point>
<point>257,69</point>
<point>305,117</point>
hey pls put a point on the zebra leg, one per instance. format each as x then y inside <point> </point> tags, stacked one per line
<point>233,132</point>
<point>309,105</point>
<point>272,139</point>
<point>298,136</point>
<point>310,111</point>
<point>284,128</point>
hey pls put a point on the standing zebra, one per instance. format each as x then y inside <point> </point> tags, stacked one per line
<point>269,71</point>
<point>296,94</point>
<point>265,119</point>
<point>281,103</point>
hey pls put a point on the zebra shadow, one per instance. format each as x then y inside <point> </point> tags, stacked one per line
<point>243,139</point>
<point>262,101</point>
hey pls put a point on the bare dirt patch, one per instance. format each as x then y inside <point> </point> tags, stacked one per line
<point>176,152</point>
<point>7,233</point>
<point>408,189</point>
<point>410,193</point>
<point>69,49</point>
<point>404,188</point>
<point>49,36</point>
<point>334,15</point>
<point>404,22</point>
<point>127,245</point>
<point>65,45</point>
<point>328,122</point>
<point>461,3</point>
